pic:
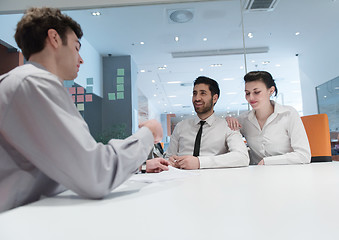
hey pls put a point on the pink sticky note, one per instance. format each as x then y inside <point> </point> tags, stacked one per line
<point>80,90</point>
<point>71,90</point>
<point>80,98</point>
<point>88,97</point>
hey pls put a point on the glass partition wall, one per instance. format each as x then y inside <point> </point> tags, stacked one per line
<point>171,44</point>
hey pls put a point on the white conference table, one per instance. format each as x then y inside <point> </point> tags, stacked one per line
<point>256,202</point>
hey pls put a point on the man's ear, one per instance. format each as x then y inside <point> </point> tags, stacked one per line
<point>215,98</point>
<point>53,38</point>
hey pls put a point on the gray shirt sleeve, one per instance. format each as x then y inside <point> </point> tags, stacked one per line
<point>43,124</point>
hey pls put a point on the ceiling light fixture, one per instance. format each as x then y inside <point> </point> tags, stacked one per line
<point>250,35</point>
<point>265,62</point>
<point>176,39</point>
<point>216,65</point>
<point>297,33</point>
<point>153,81</point>
<point>204,39</point>
<point>172,96</point>
<point>96,13</point>
<point>201,69</point>
<point>142,43</point>
<point>142,70</point>
<point>180,15</point>
<point>218,52</point>
<point>173,82</point>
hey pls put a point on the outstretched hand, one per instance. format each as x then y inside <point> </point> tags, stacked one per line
<point>156,165</point>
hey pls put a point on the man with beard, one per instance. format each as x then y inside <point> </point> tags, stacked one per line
<point>217,146</point>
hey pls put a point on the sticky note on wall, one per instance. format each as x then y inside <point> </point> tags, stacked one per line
<point>111,96</point>
<point>81,107</point>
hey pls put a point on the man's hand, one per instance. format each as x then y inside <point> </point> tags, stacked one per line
<point>156,165</point>
<point>233,123</point>
<point>261,162</point>
<point>185,162</point>
<point>155,128</point>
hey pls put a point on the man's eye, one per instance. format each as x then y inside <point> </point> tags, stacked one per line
<point>256,92</point>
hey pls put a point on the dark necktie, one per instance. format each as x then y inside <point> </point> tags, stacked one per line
<point>197,142</point>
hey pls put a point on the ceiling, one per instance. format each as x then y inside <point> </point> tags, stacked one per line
<point>120,30</point>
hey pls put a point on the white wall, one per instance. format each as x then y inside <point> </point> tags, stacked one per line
<point>91,68</point>
<point>8,26</point>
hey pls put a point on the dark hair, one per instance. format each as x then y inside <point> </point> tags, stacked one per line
<point>263,76</point>
<point>31,31</point>
<point>212,84</point>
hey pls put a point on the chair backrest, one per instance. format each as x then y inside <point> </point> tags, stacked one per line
<point>318,133</point>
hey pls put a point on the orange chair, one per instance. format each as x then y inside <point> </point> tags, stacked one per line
<point>318,133</point>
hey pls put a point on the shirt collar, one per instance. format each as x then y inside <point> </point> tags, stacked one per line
<point>38,65</point>
<point>208,120</point>
<point>278,109</point>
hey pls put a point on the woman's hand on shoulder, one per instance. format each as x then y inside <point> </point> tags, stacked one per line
<point>233,123</point>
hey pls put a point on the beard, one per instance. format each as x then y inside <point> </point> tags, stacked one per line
<point>204,109</point>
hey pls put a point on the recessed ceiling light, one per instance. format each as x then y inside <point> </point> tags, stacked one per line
<point>176,39</point>
<point>253,61</point>
<point>204,39</point>
<point>325,96</point>
<point>250,35</point>
<point>142,43</point>
<point>154,95</point>
<point>153,81</point>
<point>165,104</point>
<point>265,62</point>
<point>142,70</point>
<point>241,67</point>
<point>297,33</point>
<point>96,13</point>
<point>201,69</point>
<point>277,65</point>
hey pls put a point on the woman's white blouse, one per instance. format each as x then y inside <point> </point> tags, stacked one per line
<point>282,140</point>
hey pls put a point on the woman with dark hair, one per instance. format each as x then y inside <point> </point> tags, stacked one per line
<point>274,133</point>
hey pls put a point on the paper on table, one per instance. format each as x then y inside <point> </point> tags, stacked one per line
<point>171,174</point>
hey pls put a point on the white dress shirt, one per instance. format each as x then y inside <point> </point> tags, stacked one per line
<point>282,140</point>
<point>45,144</point>
<point>220,146</point>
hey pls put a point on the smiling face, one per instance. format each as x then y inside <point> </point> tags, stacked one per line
<point>203,101</point>
<point>257,94</point>
<point>68,58</point>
